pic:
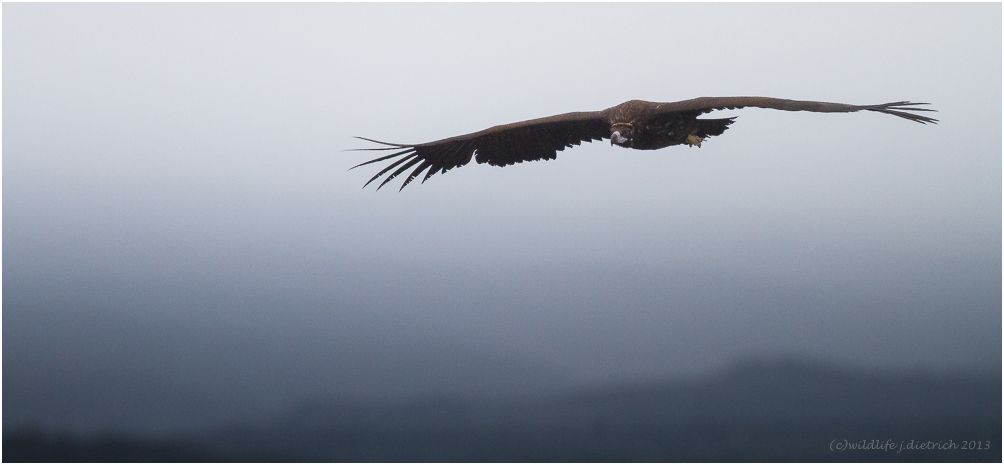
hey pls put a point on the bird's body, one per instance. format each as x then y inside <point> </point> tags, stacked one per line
<point>635,124</point>
<point>645,125</point>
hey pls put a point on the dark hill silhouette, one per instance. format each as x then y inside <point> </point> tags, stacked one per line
<point>778,411</point>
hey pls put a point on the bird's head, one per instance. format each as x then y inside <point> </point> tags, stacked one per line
<point>621,135</point>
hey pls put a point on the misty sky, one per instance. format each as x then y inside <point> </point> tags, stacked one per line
<point>177,199</point>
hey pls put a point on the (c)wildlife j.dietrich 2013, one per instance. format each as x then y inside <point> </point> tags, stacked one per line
<point>635,124</point>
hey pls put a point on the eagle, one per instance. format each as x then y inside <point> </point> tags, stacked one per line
<point>635,124</point>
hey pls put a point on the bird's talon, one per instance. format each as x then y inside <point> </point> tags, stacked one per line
<point>693,140</point>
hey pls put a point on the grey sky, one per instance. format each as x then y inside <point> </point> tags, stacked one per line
<point>183,165</point>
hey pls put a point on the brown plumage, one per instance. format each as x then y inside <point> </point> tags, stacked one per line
<point>634,124</point>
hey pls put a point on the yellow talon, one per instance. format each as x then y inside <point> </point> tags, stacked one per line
<point>693,140</point>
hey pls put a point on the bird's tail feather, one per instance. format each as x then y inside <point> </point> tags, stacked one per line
<point>713,127</point>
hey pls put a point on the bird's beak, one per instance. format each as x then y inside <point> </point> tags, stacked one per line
<point>616,138</point>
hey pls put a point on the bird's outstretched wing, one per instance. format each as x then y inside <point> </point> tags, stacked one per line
<point>536,139</point>
<point>902,109</point>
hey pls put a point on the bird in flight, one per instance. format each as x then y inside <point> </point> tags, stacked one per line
<point>635,124</point>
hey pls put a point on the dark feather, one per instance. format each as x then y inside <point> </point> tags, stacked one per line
<point>531,140</point>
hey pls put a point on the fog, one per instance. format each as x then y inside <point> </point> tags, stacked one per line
<point>184,244</point>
